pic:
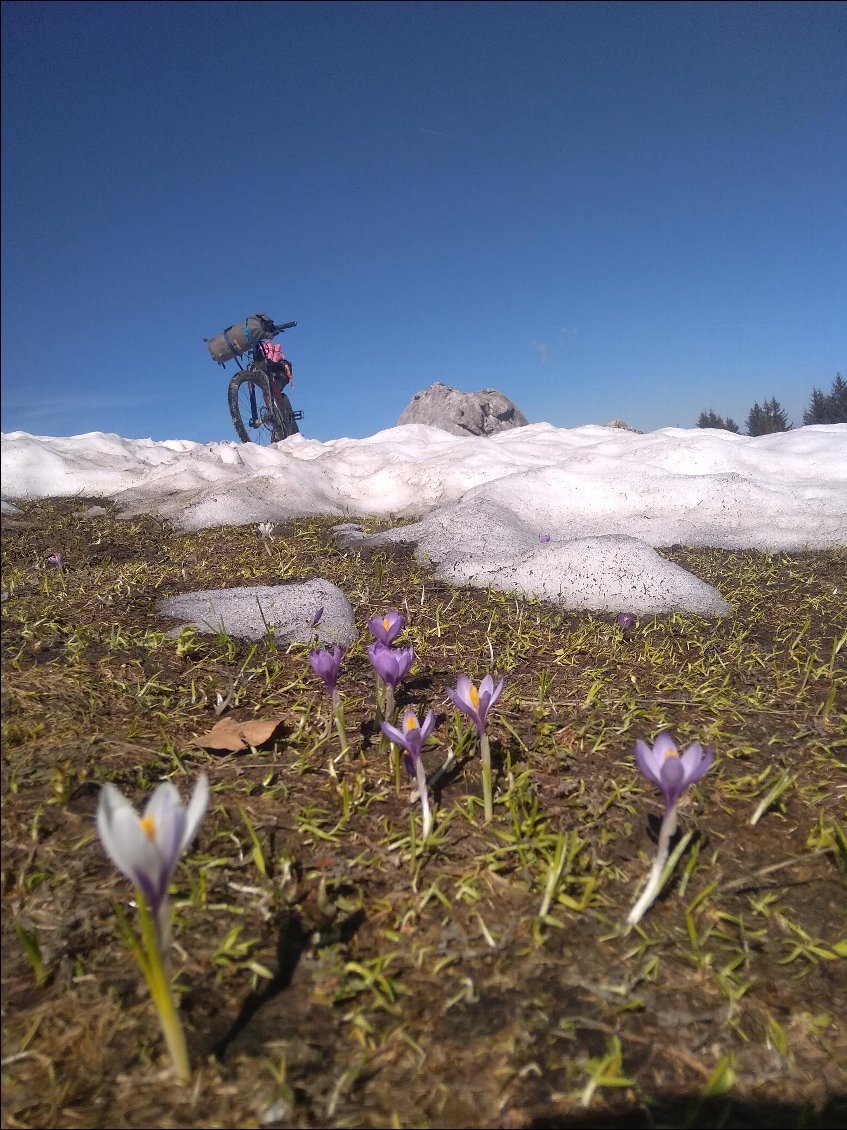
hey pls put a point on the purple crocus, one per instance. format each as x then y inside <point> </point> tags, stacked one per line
<point>55,560</point>
<point>673,772</point>
<point>326,665</point>
<point>146,848</point>
<point>392,664</point>
<point>476,702</point>
<point>316,619</point>
<point>543,538</point>
<point>385,629</point>
<point>626,621</point>
<point>411,737</point>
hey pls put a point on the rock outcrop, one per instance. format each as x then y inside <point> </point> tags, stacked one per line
<point>463,413</point>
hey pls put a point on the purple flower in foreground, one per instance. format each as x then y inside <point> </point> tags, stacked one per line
<point>671,771</point>
<point>385,629</point>
<point>626,621</point>
<point>410,736</point>
<point>326,665</point>
<point>476,702</point>
<point>146,848</point>
<point>55,559</point>
<point>391,664</point>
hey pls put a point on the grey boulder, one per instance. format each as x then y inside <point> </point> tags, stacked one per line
<point>463,413</point>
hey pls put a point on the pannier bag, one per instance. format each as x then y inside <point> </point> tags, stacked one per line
<point>236,340</point>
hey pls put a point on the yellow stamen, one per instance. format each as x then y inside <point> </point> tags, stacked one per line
<point>473,695</point>
<point>411,723</point>
<point>385,623</point>
<point>672,752</point>
<point>148,825</point>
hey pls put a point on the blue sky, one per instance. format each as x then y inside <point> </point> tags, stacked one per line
<point>602,210</point>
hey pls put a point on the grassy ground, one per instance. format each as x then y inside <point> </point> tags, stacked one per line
<point>335,971</point>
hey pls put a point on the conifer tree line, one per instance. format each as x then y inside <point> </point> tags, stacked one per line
<point>762,419</point>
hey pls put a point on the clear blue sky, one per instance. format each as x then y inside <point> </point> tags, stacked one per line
<point>628,210</point>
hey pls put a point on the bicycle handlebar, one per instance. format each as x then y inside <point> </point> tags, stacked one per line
<point>284,326</point>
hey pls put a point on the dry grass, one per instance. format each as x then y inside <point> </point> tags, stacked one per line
<point>333,970</point>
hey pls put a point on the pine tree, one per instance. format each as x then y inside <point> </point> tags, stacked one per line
<point>838,400</point>
<point>711,419</point>
<point>831,409</point>
<point>767,418</point>
<point>818,410</point>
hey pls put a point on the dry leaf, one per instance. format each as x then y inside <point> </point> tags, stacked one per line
<point>233,735</point>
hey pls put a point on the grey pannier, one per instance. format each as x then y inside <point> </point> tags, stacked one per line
<point>236,340</point>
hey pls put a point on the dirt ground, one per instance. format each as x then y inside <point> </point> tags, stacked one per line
<point>332,969</point>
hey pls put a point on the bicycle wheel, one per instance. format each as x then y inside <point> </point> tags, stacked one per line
<point>254,414</point>
<point>285,415</point>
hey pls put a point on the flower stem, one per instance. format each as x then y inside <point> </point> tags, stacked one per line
<point>654,881</point>
<point>153,967</point>
<point>487,798</point>
<point>426,813</point>
<point>338,711</point>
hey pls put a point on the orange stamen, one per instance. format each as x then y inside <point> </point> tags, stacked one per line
<point>148,825</point>
<point>473,695</point>
<point>411,722</point>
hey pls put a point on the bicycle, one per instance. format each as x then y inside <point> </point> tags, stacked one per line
<point>261,411</point>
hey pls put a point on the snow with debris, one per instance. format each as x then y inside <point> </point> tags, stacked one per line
<point>569,515</point>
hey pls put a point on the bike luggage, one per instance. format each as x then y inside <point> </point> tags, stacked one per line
<point>236,340</point>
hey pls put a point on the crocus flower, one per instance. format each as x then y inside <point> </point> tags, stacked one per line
<point>392,664</point>
<point>673,772</point>
<point>326,665</point>
<point>146,848</point>
<point>410,737</point>
<point>55,560</point>
<point>543,537</point>
<point>385,629</point>
<point>316,619</point>
<point>626,621</point>
<point>476,702</point>
<point>266,529</point>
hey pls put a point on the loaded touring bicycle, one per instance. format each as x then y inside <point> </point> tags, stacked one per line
<point>258,404</point>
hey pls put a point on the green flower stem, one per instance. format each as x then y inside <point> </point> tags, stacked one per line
<point>149,956</point>
<point>387,712</point>
<point>654,880</point>
<point>338,711</point>
<point>487,796</point>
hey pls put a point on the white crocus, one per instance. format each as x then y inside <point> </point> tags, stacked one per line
<point>147,848</point>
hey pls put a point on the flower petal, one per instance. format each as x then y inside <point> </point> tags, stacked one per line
<point>696,761</point>
<point>665,745</point>
<point>648,762</point>
<point>672,781</point>
<point>391,732</point>
<point>136,855</point>
<point>428,725</point>
<point>196,811</point>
